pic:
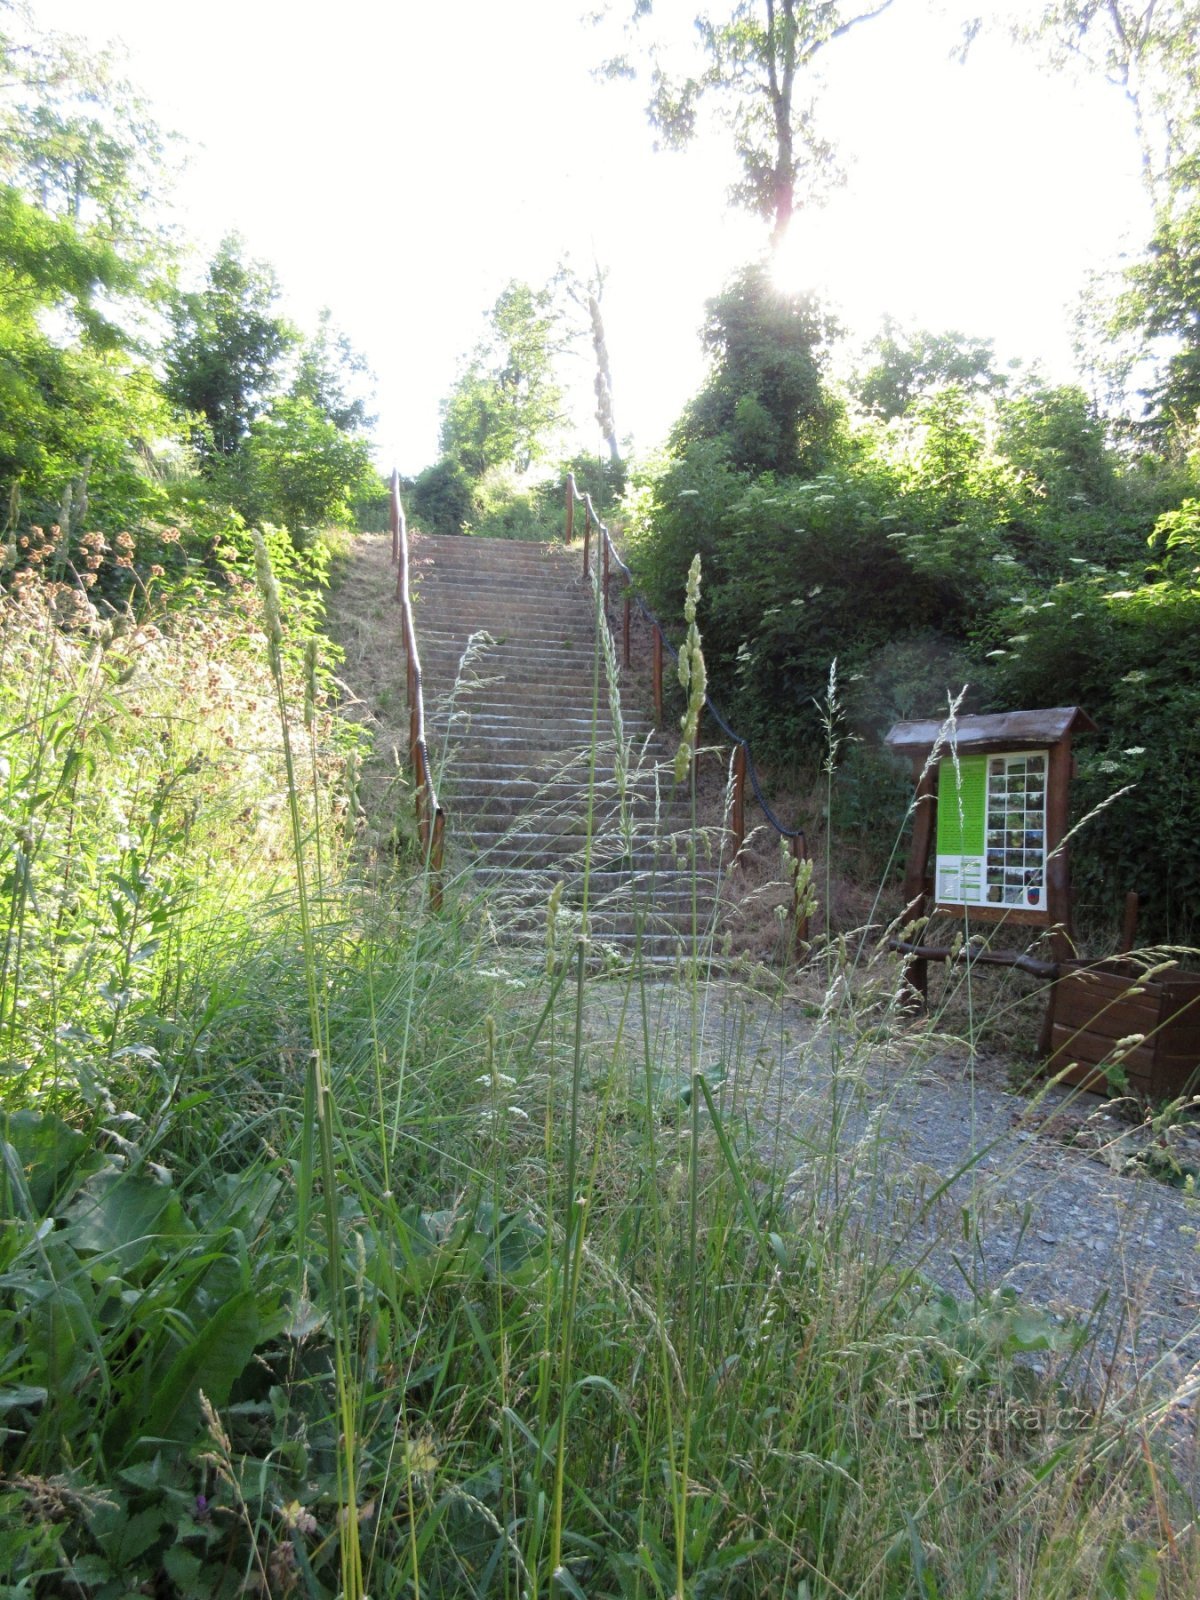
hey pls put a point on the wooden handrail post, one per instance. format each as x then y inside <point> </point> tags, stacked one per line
<point>626,621</point>
<point>587,537</point>
<point>658,674</point>
<point>395,515</point>
<point>738,809</point>
<point>436,853</point>
<point>606,550</point>
<point>570,506</point>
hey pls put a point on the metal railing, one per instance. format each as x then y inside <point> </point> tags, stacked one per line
<point>743,761</point>
<point>431,819</point>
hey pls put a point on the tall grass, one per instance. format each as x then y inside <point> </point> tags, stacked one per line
<point>342,1256</point>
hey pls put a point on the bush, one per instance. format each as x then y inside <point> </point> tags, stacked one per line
<point>443,498</point>
<point>796,574</point>
<point>1128,656</point>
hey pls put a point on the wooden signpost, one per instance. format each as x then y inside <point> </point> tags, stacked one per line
<point>992,815</point>
<point>990,846</point>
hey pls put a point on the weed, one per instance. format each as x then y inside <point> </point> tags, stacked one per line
<point>344,1255</point>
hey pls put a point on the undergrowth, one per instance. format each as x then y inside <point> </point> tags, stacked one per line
<point>339,1258</point>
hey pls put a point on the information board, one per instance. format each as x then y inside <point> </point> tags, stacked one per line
<point>991,830</point>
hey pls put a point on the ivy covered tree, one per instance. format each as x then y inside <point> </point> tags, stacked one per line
<point>765,399</point>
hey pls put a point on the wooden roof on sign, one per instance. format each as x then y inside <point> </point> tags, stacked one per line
<point>1006,730</point>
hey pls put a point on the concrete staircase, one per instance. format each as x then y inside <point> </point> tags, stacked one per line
<point>506,633</point>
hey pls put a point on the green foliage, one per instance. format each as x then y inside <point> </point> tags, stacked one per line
<point>72,408</point>
<point>443,498</point>
<point>1125,649</point>
<point>765,400</point>
<point>986,540</point>
<point>497,506</point>
<point>1162,301</point>
<point>223,357</point>
<point>798,572</point>
<point>504,409</point>
<point>297,467</point>
<point>911,366</point>
<point>332,1264</point>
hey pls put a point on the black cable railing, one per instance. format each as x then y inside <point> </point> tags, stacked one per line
<point>743,760</point>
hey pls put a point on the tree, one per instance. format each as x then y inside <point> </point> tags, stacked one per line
<point>78,160</point>
<point>505,407</point>
<point>298,467</point>
<point>765,399</point>
<point>914,366</point>
<point>335,377</point>
<point>79,142</point>
<point>586,295</point>
<point>77,395</point>
<point>224,357</point>
<point>443,497</point>
<point>1162,300</point>
<point>754,64</point>
<point>1150,51</point>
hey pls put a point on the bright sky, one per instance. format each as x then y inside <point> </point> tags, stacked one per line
<point>400,162</point>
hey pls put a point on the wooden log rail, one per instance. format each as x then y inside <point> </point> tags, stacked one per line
<point>1049,970</point>
<point>743,762</point>
<point>431,819</point>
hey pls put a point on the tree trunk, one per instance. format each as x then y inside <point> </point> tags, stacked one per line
<point>603,379</point>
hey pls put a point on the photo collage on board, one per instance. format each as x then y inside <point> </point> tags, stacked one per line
<point>1016,830</point>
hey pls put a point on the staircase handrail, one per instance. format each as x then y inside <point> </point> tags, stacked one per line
<point>743,762</point>
<point>431,819</point>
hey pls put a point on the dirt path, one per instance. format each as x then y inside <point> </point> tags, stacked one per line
<point>364,619</point>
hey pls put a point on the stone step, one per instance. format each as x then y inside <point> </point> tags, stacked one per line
<point>603,881</point>
<point>446,638</point>
<point>554,663</point>
<point>576,723</point>
<point>450,547</point>
<point>521,774</point>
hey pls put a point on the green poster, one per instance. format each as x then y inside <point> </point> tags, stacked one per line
<point>991,830</point>
<point>962,806</point>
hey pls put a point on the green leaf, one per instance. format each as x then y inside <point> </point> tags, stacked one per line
<point>562,1582</point>
<point>133,1536</point>
<point>211,1362</point>
<point>48,1149</point>
<point>125,1219</point>
<point>183,1569</point>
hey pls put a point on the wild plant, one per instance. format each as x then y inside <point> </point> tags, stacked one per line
<point>538,1281</point>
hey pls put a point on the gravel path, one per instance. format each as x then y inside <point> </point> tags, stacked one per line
<point>969,1181</point>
